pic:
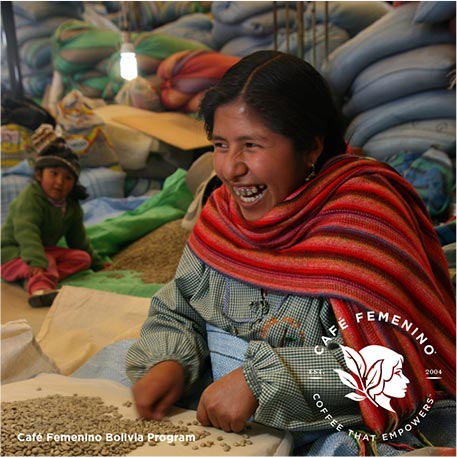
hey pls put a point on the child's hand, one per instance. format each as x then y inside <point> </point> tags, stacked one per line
<point>227,403</point>
<point>35,271</point>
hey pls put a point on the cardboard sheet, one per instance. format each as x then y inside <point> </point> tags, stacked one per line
<point>265,441</point>
<point>173,128</point>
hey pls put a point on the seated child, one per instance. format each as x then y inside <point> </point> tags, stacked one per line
<point>44,212</point>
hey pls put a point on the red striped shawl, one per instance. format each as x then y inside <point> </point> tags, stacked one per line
<point>360,235</point>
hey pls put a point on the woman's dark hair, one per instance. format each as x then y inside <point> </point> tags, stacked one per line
<point>290,95</point>
<point>58,154</point>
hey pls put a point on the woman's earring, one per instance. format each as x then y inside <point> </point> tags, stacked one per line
<point>311,174</point>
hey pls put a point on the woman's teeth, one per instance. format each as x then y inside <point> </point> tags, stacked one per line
<point>250,194</point>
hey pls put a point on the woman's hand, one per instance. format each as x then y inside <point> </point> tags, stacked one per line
<point>158,389</point>
<point>227,403</point>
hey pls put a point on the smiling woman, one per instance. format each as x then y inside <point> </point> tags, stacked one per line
<point>260,168</point>
<point>265,146</point>
<point>298,240</point>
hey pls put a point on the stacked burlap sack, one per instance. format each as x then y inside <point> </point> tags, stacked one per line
<point>244,27</point>
<point>148,15</point>
<point>196,26</point>
<point>35,23</point>
<point>323,35</point>
<point>395,82</point>
<point>345,20</point>
<point>81,55</point>
<point>88,57</point>
<point>188,74</point>
<point>240,28</point>
<point>178,69</point>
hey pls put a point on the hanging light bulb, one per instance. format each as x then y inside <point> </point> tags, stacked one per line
<point>128,64</point>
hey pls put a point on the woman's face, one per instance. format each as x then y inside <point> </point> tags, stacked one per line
<point>56,183</point>
<point>259,167</point>
<point>396,387</point>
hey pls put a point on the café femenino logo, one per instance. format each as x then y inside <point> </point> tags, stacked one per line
<point>376,375</point>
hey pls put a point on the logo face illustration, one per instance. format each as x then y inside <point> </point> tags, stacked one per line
<point>376,375</point>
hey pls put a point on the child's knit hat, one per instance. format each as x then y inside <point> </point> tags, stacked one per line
<point>53,151</point>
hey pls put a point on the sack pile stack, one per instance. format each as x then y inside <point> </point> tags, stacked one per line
<point>241,28</point>
<point>395,82</point>
<point>35,24</point>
